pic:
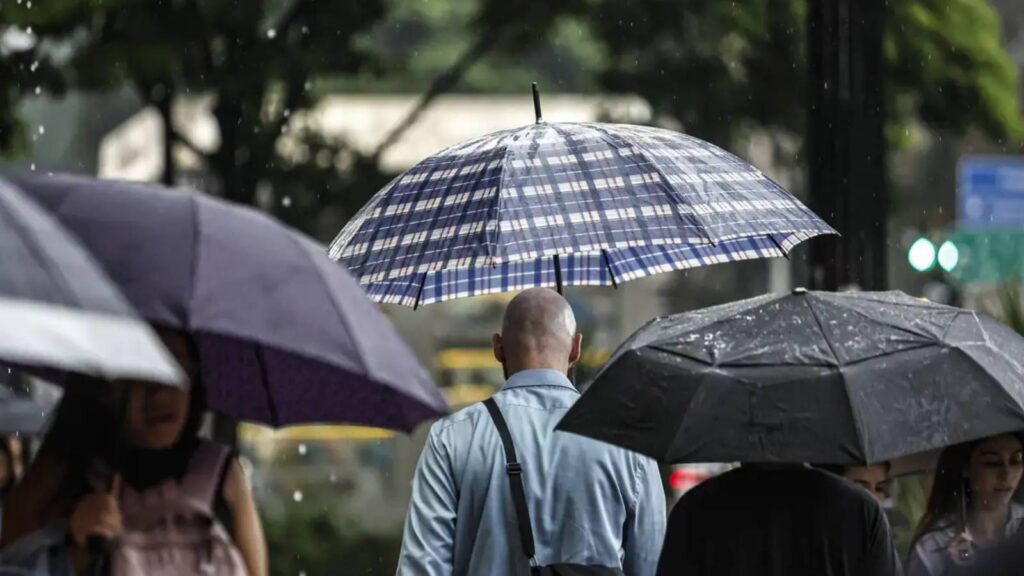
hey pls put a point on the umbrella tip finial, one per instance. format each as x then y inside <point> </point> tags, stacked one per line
<point>536,103</point>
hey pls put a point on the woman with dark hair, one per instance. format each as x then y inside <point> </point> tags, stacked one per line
<point>141,440</point>
<point>971,505</point>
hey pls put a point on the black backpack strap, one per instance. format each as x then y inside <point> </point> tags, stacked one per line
<point>515,479</point>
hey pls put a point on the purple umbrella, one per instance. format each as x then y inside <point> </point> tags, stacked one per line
<point>284,335</point>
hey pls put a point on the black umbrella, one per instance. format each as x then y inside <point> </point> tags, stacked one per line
<point>807,377</point>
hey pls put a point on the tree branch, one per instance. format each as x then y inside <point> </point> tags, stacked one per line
<point>485,41</point>
<point>179,138</point>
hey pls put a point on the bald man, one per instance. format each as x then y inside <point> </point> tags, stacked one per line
<point>589,503</point>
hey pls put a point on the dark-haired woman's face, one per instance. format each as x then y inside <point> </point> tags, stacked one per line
<point>995,471</point>
<point>155,415</point>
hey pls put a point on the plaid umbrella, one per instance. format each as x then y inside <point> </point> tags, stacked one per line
<point>554,203</point>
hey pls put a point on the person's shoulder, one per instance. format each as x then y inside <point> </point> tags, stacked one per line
<point>709,490</point>
<point>466,416</point>
<point>839,488</point>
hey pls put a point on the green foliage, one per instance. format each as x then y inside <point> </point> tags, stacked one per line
<point>259,58</point>
<point>947,66</point>
<point>309,540</point>
<point>1011,307</point>
<point>717,67</point>
<point>721,67</point>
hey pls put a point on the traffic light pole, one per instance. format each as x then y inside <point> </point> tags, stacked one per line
<point>845,137</point>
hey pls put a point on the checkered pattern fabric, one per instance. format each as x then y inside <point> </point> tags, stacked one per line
<point>615,202</point>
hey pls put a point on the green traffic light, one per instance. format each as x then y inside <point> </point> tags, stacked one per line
<point>921,255</point>
<point>949,256</point>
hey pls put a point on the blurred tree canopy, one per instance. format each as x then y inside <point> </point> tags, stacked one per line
<point>258,58</point>
<point>716,67</point>
<point>719,66</point>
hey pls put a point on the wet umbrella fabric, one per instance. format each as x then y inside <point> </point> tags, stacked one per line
<point>284,335</point>
<point>59,313</point>
<point>19,415</point>
<point>823,377</point>
<point>565,203</point>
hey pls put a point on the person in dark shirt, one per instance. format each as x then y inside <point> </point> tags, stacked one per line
<point>778,520</point>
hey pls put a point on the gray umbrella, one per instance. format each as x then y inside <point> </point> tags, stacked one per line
<point>807,377</point>
<point>19,414</point>
<point>284,335</point>
<point>58,310</point>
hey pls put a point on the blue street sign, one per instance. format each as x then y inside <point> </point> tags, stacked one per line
<point>991,191</point>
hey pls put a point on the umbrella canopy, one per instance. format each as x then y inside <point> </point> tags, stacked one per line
<point>59,313</point>
<point>833,378</point>
<point>284,335</point>
<point>21,415</point>
<point>565,203</point>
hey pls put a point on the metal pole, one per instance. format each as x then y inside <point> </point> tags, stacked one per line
<point>845,136</point>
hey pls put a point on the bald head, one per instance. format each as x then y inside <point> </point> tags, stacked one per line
<point>538,331</point>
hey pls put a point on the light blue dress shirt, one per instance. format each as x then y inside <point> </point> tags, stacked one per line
<point>590,502</point>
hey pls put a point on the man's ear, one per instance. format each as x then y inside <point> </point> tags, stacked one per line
<point>499,350</point>
<point>575,351</point>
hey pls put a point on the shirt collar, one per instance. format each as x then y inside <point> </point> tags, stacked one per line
<point>538,377</point>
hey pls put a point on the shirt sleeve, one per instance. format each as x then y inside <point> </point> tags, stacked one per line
<point>429,539</point>
<point>645,523</point>
<point>881,557</point>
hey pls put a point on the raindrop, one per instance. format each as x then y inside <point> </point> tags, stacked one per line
<point>34,66</point>
<point>32,167</point>
<point>308,85</point>
<point>42,130</point>
<point>287,113</point>
<point>302,449</point>
<point>286,201</point>
<point>38,90</point>
<point>305,30</point>
<point>29,29</point>
<point>333,478</point>
<point>271,33</point>
<point>297,496</point>
<point>28,4</point>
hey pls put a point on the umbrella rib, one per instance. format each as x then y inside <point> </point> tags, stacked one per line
<point>265,381</point>
<point>821,328</point>
<point>194,265</point>
<point>861,433</point>
<point>32,244</point>
<point>785,253</point>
